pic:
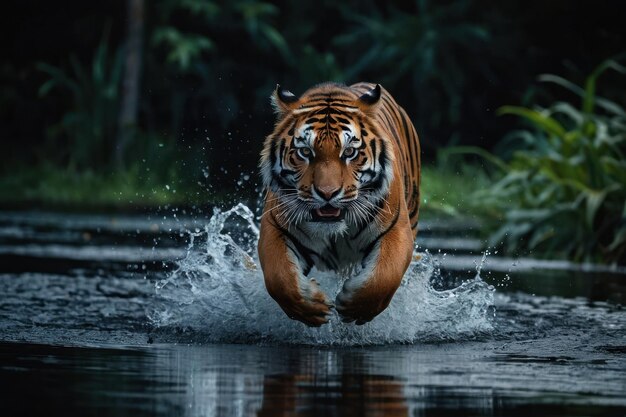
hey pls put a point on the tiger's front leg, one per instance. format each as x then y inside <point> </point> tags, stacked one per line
<point>299,297</point>
<point>367,294</point>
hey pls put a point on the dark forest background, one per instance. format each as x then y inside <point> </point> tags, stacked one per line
<point>192,114</point>
<point>209,67</point>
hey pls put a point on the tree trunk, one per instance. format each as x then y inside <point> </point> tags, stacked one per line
<point>127,121</point>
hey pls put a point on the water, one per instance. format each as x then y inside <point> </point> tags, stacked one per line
<point>221,276</point>
<point>162,315</point>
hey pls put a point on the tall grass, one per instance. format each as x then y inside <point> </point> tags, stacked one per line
<point>447,189</point>
<point>51,186</point>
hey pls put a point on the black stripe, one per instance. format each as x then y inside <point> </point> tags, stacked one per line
<point>277,177</point>
<point>285,172</point>
<point>408,138</point>
<point>283,149</point>
<point>366,251</point>
<point>414,211</point>
<point>300,248</point>
<point>373,146</point>
<point>370,217</point>
<point>416,198</point>
<point>382,157</point>
<point>361,230</point>
<point>331,110</point>
<point>273,153</point>
<point>369,171</point>
<point>391,126</point>
<point>326,96</point>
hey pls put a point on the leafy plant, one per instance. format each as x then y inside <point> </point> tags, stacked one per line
<point>434,50</point>
<point>89,126</point>
<point>183,48</point>
<point>240,16</point>
<point>563,191</point>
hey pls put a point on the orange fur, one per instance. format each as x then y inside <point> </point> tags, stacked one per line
<point>351,151</point>
<point>281,279</point>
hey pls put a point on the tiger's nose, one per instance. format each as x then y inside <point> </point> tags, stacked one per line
<point>327,192</point>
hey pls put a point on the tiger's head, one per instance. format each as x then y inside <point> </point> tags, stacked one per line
<point>328,163</point>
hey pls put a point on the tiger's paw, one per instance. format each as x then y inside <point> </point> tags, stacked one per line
<point>353,311</point>
<point>312,309</point>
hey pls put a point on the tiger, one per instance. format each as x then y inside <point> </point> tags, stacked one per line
<point>341,171</point>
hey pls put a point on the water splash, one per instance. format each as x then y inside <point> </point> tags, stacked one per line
<point>217,292</point>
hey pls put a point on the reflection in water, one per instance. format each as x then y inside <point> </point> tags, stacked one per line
<point>347,391</point>
<point>237,380</point>
<point>540,355</point>
<point>352,395</point>
<point>295,382</point>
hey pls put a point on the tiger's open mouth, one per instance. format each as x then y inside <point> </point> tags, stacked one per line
<point>327,213</point>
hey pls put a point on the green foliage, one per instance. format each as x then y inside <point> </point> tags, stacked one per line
<point>433,51</point>
<point>48,184</point>
<point>447,189</point>
<point>209,66</point>
<point>87,130</point>
<point>161,173</point>
<point>563,192</point>
<point>211,61</point>
<point>257,19</point>
<point>183,48</point>
<point>87,172</point>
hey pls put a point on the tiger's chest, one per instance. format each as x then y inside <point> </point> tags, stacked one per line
<point>340,253</point>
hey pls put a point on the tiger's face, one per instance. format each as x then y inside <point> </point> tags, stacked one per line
<point>327,162</point>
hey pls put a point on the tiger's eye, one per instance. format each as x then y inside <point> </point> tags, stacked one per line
<point>349,152</point>
<point>304,153</point>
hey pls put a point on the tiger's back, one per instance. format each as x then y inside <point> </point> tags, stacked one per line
<point>400,127</point>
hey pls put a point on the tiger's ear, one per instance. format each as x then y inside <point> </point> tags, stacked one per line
<point>283,100</point>
<point>368,101</point>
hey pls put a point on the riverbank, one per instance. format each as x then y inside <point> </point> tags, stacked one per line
<point>444,193</point>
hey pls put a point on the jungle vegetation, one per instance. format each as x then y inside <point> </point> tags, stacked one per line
<point>144,103</point>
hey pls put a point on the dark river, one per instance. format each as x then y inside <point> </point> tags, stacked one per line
<point>166,315</point>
